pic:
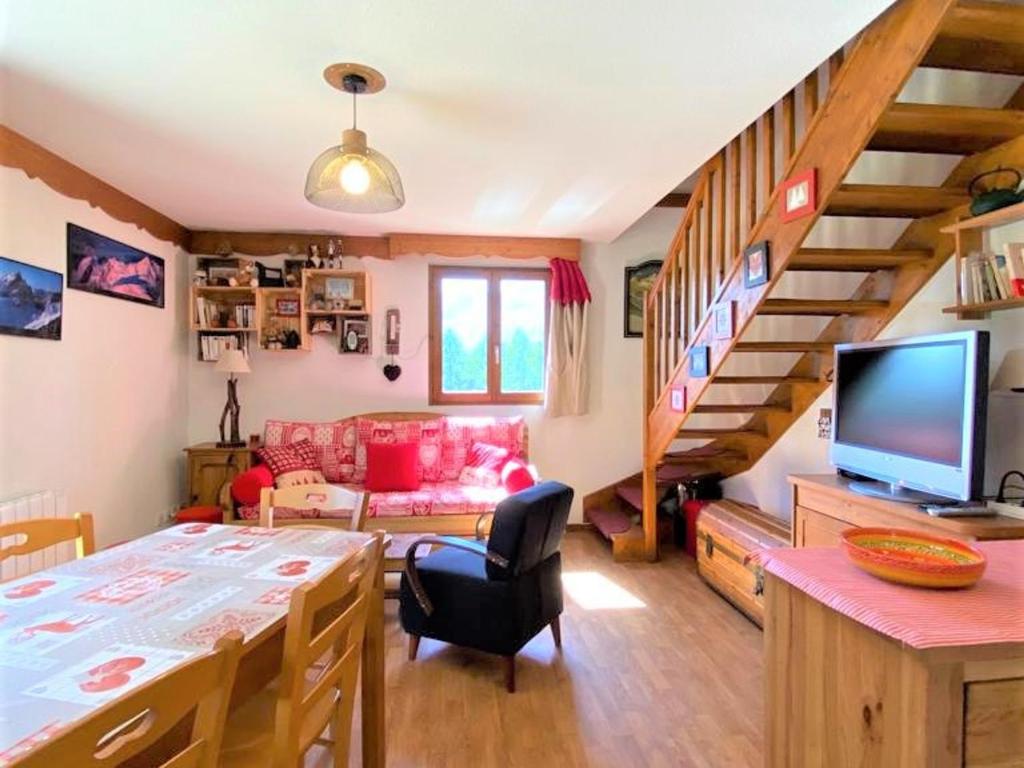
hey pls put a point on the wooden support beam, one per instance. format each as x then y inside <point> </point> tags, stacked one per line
<point>751,174</point>
<point>980,37</point>
<point>788,127</point>
<point>471,246</point>
<point>768,149</point>
<point>276,243</point>
<point>674,200</point>
<point>63,177</point>
<point>810,97</point>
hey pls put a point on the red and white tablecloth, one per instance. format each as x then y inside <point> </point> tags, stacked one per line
<point>992,611</point>
<point>74,637</point>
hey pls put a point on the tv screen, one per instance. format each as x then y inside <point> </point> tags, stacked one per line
<point>911,413</point>
<point>907,400</point>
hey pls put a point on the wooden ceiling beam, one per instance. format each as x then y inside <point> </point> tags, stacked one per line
<point>468,246</point>
<point>17,151</point>
<point>275,243</point>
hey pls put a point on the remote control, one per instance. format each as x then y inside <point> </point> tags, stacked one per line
<point>942,510</point>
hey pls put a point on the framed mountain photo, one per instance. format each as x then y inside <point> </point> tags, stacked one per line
<point>31,300</point>
<point>99,264</point>
<point>638,281</point>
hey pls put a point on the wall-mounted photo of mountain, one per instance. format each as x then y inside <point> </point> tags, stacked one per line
<point>31,300</point>
<point>99,264</point>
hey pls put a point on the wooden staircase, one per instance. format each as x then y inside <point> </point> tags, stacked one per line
<point>844,108</point>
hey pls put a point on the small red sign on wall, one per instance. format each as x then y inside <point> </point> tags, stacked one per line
<point>798,195</point>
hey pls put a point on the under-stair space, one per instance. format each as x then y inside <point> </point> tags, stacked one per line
<point>894,146</point>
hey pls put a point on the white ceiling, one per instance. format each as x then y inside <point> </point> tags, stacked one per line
<point>525,117</point>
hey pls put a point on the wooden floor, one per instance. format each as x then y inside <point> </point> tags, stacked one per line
<point>674,683</point>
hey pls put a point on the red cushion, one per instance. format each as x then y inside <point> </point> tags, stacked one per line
<point>200,515</point>
<point>246,487</point>
<point>289,458</point>
<point>487,456</point>
<point>392,467</point>
<point>517,476</point>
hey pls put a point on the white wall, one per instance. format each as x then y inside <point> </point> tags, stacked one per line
<point>99,414</point>
<point>586,452</point>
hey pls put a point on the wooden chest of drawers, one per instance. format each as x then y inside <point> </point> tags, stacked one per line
<point>824,506</point>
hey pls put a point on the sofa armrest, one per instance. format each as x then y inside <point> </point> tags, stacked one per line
<point>444,541</point>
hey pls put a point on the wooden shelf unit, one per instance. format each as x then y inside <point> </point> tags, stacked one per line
<point>967,234</point>
<point>314,291</point>
<point>270,322</point>
<point>225,298</point>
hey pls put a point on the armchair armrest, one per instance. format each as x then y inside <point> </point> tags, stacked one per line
<point>444,541</point>
<point>480,524</point>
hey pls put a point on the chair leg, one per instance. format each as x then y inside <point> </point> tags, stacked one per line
<point>556,632</point>
<point>510,673</point>
<point>414,646</point>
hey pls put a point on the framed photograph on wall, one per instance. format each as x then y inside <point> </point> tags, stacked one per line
<point>638,281</point>
<point>724,318</point>
<point>99,264</point>
<point>798,195</point>
<point>700,358</point>
<point>756,264</point>
<point>287,307</point>
<point>31,300</point>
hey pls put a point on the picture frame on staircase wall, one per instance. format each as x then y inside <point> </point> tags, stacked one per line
<point>798,195</point>
<point>757,264</point>
<point>700,361</point>
<point>677,399</point>
<point>725,314</point>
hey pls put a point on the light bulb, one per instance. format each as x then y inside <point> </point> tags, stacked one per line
<point>354,177</point>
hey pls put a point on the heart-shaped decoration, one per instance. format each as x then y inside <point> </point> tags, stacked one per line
<point>392,371</point>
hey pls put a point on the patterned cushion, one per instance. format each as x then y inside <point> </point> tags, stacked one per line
<point>460,432</point>
<point>425,433</point>
<point>436,499</point>
<point>484,477</point>
<point>282,459</point>
<point>334,442</point>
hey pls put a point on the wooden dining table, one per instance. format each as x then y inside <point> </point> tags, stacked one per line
<point>79,635</point>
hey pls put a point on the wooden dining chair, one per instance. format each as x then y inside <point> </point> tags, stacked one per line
<point>40,533</point>
<point>323,648</point>
<point>131,724</point>
<point>320,497</point>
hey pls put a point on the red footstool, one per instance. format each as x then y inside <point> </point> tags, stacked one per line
<point>200,515</point>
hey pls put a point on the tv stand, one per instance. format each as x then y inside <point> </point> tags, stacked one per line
<point>893,492</point>
<point>825,505</point>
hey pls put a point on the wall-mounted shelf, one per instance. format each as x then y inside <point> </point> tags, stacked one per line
<point>985,306</point>
<point>968,236</point>
<point>1007,215</point>
<point>327,296</point>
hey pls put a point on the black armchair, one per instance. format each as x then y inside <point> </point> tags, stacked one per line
<point>492,597</point>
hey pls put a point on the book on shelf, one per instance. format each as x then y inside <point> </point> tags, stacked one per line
<point>211,345</point>
<point>986,277</point>
<point>209,313</point>
<point>1014,256</point>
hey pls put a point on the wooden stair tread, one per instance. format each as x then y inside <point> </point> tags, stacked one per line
<point>783,346</point>
<point>608,520</point>
<point>671,473</point>
<point>851,259</point>
<point>631,494</point>
<point>742,408</point>
<point>703,455</point>
<point>765,380</point>
<point>980,37</point>
<point>942,129</point>
<point>713,432</point>
<point>820,307</point>
<point>893,200</point>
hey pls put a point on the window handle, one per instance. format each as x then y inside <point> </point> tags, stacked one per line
<point>497,353</point>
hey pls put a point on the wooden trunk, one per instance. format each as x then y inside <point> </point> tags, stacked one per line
<point>728,532</point>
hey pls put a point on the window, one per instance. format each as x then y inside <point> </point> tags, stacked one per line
<point>488,335</point>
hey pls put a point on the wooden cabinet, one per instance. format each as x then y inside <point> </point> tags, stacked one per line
<point>824,506</point>
<point>838,693</point>
<point>209,469</point>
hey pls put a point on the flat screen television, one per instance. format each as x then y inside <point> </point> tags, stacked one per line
<point>909,414</point>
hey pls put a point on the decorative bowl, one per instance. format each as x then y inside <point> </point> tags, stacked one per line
<point>910,557</point>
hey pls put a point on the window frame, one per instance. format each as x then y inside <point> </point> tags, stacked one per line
<point>493,276</point>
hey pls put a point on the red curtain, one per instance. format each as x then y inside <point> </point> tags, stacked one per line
<point>568,285</point>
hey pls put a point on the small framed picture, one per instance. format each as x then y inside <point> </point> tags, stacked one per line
<point>699,361</point>
<point>725,313</point>
<point>756,264</point>
<point>287,307</point>
<point>677,399</point>
<point>798,195</point>
<point>340,288</point>
<point>355,337</point>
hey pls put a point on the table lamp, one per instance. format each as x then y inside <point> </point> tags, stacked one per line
<point>1010,376</point>
<point>232,361</point>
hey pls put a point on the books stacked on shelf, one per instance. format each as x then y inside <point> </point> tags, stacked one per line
<point>211,345</point>
<point>988,277</point>
<point>210,314</point>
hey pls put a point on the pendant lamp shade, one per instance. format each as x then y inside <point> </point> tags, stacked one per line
<point>352,177</point>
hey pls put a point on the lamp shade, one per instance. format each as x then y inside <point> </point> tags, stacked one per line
<point>233,361</point>
<point>354,178</point>
<point>1010,375</point>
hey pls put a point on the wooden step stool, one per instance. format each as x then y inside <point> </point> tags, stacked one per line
<point>727,533</point>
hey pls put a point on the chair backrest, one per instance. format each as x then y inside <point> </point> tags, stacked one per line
<point>528,527</point>
<point>126,726</point>
<point>40,533</point>
<point>326,626</point>
<point>319,497</point>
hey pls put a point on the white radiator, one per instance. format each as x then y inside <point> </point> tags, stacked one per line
<point>37,505</point>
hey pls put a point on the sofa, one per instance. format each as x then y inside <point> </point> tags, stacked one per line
<point>446,501</point>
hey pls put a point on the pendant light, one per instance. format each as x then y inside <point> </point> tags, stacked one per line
<point>353,177</point>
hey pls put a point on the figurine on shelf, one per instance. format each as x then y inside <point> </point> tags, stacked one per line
<point>246,274</point>
<point>199,277</point>
<point>333,255</point>
<point>292,340</point>
<point>315,262</point>
<point>323,325</point>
